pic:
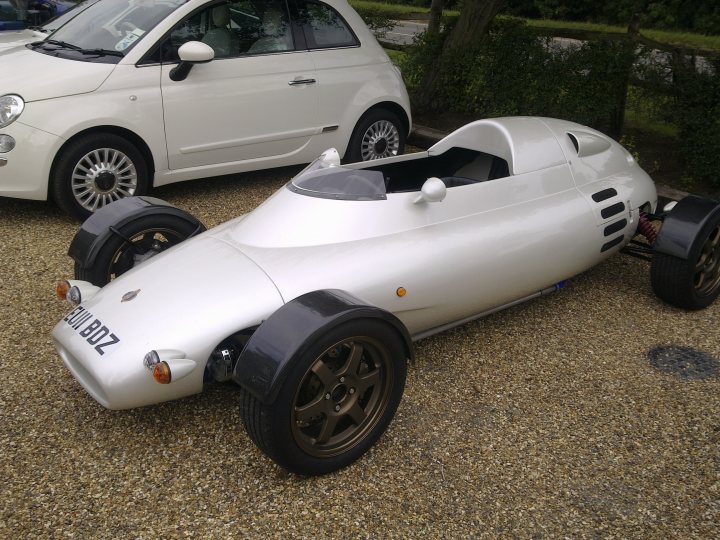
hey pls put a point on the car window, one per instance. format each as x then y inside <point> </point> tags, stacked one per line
<point>114,25</point>
<point>58,20</point>
<point>324,27</point>
<point>235,28</point>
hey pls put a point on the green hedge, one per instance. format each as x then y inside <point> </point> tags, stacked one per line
<point>513,72</point>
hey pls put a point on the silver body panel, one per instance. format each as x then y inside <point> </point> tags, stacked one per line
<point>486,245</point>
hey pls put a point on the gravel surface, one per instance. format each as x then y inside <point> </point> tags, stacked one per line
<point>546,420</point>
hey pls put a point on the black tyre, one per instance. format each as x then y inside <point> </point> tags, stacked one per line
<point>336,401</point>
<point>378,134</point>
<point>692,283</point>
<point>132,244</point>
<point>95,170</point>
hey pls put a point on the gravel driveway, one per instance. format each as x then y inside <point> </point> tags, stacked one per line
<point>546,420</point>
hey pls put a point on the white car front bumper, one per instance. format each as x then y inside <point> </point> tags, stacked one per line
<point>24,170</point>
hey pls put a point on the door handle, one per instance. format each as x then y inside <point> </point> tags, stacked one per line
<point>296,82</point>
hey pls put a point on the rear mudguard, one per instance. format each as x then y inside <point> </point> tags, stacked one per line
<point>292,329</point>
<point>97,228</point>
<point>683,224</point>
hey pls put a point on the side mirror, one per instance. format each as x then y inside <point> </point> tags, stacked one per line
<point>191,53</point>
<point>433,190</point>
<point>331,157</point>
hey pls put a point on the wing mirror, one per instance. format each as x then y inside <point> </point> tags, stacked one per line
<point>433,190</point>
<point>191,53</point>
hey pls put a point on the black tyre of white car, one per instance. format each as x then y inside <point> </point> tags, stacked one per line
<point>95,170</point>
<point>691,279</point>
<point>378,134</point>
<point>338,398</point>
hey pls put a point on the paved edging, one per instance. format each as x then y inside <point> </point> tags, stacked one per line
<point>425,137</point>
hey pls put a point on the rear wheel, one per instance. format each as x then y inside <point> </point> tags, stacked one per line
<point>336,401</point>
<point>378,134</point>
<point>95,170</point>
<point>692,283</point>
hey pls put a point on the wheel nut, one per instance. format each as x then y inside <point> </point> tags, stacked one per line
<point>327,396</point>
<point>337,408</point>
<point>351,391</point>
<point>342,379</point>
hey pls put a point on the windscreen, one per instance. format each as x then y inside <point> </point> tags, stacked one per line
<point>334,182</point>
<point>115,25</point>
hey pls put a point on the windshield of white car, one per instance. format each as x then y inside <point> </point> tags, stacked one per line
<point>333,182</point>
<point>59,20</point>
<point>108,28</point>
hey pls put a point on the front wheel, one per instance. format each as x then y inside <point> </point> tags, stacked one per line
<point>134,243</point>
<point>336,401</point>
<point>378,134</point>
<point>95,170</point>
<point>692,283</point>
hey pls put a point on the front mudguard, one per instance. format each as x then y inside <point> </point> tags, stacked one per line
<point>288,333</point>
<point>96,229</point>
<point>682,226</point>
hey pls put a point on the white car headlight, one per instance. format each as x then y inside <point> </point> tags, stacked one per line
<point>11,106</point>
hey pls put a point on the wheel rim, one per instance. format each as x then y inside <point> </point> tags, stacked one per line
<point>707,269</point>
<point>381,140</point>
<point>139,248</point>
<point>102,176</point>
<point>342,396</point>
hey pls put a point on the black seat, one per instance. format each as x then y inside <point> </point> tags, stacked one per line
<point>457,181</point>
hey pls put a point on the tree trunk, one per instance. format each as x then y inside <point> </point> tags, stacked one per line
<point>436,9</point>
<point>474,21</point>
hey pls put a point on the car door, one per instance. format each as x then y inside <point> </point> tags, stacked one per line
<point>257,98</point>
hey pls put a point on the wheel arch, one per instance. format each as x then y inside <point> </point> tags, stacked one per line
<point>94,232</point>
<point>128,134</point>
<point>682,225</point>
<point>391,106</point>
<point>292,329</point>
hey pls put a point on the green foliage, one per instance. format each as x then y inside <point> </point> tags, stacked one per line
<point>696,109</point>
<point>378,20</point>
<point>694,15</point>
<point>511,71</point>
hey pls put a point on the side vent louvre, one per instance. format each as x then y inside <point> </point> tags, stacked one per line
<point>603,195</point>
<point>612,243</point>
<point>615,227</point>
<point>612,210</point>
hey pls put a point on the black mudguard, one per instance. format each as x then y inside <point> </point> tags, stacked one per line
<point>292,329</point>
<point>683,224</point>
<point>97,228</point>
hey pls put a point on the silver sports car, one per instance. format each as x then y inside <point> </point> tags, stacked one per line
<point>315,319</point>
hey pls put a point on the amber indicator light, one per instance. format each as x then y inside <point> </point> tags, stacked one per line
<point>161,373</point>
<point>401,292</point>
<point>61,289</point>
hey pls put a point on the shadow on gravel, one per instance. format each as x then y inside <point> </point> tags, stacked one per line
<point>684,362</point>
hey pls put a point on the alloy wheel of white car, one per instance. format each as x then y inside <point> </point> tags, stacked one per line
<point>382,139</point>
<point>95,170</point>
<point>378,134</point>
<point>102,176</point>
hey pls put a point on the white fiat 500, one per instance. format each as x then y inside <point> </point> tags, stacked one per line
<point>131,94</point>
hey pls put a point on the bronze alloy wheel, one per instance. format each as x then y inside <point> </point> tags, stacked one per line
<point>342,396</point>
<point>707,268</point>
